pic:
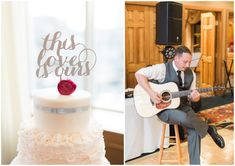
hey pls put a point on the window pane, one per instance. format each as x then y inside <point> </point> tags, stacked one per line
<point>48,17</point>
<point>107,76</point>
<point>108,83</point>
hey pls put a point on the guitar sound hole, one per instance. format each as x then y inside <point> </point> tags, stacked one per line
<point>166,96</point>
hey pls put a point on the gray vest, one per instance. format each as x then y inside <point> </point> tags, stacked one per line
<point>172,77</point>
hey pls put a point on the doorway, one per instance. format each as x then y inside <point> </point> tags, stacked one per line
<point>203,41</point>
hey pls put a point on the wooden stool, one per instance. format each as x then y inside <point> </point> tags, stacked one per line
<point>177,143</point>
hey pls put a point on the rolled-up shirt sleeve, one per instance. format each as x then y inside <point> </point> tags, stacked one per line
<point>156,72</point>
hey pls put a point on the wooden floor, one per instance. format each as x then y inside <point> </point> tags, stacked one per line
<point>210,153</point>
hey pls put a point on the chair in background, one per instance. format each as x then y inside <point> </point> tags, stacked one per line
<point>228,72</point>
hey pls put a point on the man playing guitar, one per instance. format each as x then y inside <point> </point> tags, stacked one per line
<point>178,71</point>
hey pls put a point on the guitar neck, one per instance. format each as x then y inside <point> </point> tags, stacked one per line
<point>187,92</point>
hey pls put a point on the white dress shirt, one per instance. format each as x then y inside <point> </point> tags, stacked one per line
<point>158,72</point>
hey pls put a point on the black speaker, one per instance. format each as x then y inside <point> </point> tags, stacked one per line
<point>169,23</point>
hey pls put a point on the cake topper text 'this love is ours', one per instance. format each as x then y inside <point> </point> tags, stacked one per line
<point>64,58</point>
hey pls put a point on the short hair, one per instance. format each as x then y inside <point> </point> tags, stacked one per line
<point>182,49</point>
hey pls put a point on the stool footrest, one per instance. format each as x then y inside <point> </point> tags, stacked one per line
<point>172,143</point>
<point>170,136</point>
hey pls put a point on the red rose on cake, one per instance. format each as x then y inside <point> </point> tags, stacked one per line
<point>66,87</point>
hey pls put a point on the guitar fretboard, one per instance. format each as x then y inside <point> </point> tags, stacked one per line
<point>187,92</point>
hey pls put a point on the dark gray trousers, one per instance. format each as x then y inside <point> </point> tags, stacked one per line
<point>196,128</point>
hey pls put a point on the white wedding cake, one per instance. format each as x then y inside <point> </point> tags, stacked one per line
<point>61,131</point>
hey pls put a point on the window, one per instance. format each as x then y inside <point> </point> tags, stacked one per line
<point>106,79</point>
<point>108,83</point>
<point>48,17</point>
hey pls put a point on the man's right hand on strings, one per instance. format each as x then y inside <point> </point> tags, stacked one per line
<point>155,97</point>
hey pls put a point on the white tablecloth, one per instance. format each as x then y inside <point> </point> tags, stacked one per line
<point>142,135</point>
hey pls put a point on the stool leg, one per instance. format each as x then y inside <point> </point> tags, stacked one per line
<point>178,143</point>
<point>162,143</point>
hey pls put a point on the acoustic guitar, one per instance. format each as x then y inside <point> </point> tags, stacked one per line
<point>170,96</point>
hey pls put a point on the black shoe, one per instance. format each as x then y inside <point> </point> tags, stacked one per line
<point>218,139</point>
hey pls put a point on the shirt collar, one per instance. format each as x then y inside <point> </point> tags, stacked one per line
<point>174,66</point>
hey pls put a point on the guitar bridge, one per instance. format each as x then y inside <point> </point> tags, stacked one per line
<point>162,105</point>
